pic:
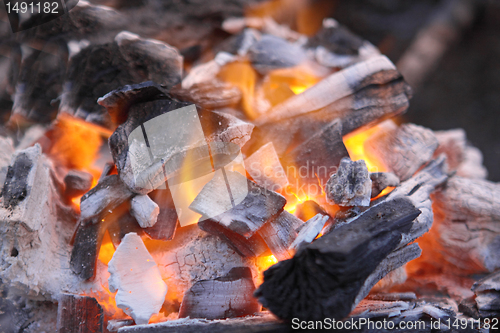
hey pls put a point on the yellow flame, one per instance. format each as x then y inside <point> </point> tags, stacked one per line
<point>355,144</point>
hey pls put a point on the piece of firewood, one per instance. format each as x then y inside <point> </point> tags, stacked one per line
<point>403,149</point>
<point>265,168</point>
<point>327,275</point>
<point>318,157</point>
<point>135,275</point>
<point>280,233</point>
<point>382,180</point>
<point>350,185</point>
<point>309,231</point>
<point>79,314</point>
<point>224,297</point>
<point>77,183</point>
<point>144,210</point>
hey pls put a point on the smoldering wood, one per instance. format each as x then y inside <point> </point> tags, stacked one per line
<point>210,95</point>
<point>224,297</point>
<point>77,183</point>
<point>79,314</point>
<point>272,52</point>
<point>6,151</point>
<point>307,210</point>
<point>309,231</point>
<point>280,233</point>
<point>167,221</point>
<point>126,223</point>
<point>265,168</point>
<point>35,232</point>
<point>258,207</point>
<point>328,274</point>
<point>381,95</point>
<point>382,180</point>
<point>466,232</point>
<point>105,196</point>
<point>403,149</point>
<point>351,185</point>
<point>320,155</point>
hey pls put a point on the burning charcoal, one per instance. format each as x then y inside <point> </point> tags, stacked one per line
<point>351,185</point>
<point>133,59</point>
<point>472,166</point>
<point>327,275</point>
<point>225,297</point>
<point>381,180</point>
<point>164,228</point>
<point>77,183</point>
<point>6,151</point>
<point>211,95</point>
<point>307,210</point>
<point>377,308</point>
<point>135,275</point>
<point>309,231</point>
<point>115,324</point>
<point>452,143</point>
<point>280,233</point>
<point>207,71</point>
<point>123,224</point>
<point>265,168</point>
<point>334,88</point>
<point>77,314</point>
<point>487,292</point>
<point>104,197</point>
<point>35,229</point>
<point>464,238</point>
<point>272,52</point>
<point>404,150</point>
<point>318,155</point>
<point>145,210</point>
<point>162,62</point>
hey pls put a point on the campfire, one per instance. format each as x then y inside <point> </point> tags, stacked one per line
<point>263,182</point>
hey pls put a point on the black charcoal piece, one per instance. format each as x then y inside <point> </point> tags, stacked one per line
<point>225,297</point>
<point>77,183</point>
<point>166,223</point>
<point>15,188</point>
<point>77,314</point>
<point>336,39</point>
<point>280,233</point>
<point>324,278</point>
<point>350,185</point>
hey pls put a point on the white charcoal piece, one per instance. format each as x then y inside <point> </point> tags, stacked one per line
<point>145,211</point>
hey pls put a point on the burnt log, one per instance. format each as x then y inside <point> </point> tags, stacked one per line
<point>229,296</point>
<point>350,185</point>
<point>79,314</point>
<point>280,233</point>
<point>319,156</point>
<point>404,150</point>
<point>77,183</point>
<point>327,275</point>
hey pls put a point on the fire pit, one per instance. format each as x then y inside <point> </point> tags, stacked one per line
<point>256,181</point>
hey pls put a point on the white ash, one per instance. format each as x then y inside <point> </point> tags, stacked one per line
<point>144,210</point>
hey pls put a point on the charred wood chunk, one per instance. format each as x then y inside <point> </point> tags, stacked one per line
<point>487,292</point>
<point>210,95</point>
<point>77,183</point>
<point>105,196</point>
<point>257,208</point>
<point>350,185</point>
<point>166,224</point>
<point>404,150</point>
<point>124,224</point>
<point>309,231</point>
<point>319,156</point>
<point>86,247</point>
<point>144,210</point>
<point>79,314</point>
<point>265,168</point>
<point>382,180</point>
<point>272,52</point>
<point>225,297</point>
<point>307,210</point>
<point>336,39</point>
<point>280,233</point>
<point>327,275</point>
<point>15,188</point>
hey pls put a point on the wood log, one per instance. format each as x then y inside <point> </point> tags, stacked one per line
<point>404,150</point>
<point>280,233</point>
<point>265,168</point>
<point>77,183</point>
<point>79,314</point>
<point>133,273</point>
<point>327,275</point>
<point>350,185</point>
<point>464,238</point>
<point>318,157</point>
<point>229,296</point>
